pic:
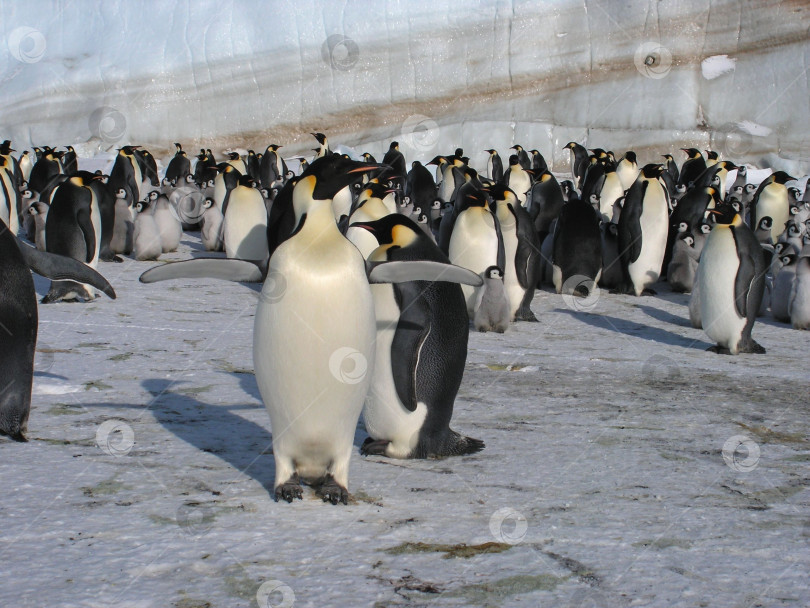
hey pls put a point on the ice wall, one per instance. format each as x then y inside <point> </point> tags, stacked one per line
<point>653,76</point>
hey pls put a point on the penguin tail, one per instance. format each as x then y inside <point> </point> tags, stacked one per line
<point>459,445</point>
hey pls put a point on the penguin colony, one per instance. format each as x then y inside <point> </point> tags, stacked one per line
<point>408,259</point>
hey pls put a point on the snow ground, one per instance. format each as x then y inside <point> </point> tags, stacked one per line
<point>603,482</point>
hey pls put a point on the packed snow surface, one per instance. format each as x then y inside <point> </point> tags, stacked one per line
<point>624,466</point>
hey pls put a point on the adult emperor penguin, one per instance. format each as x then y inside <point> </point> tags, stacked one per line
<point>731,281</point>
<point>273,167</point>
<point>179,166</point>
<point>546,203</point>
<point>245,224</point>
<point>70,163</point>
<point>643,231</point>
<point>126,173</point>
<point>73,229</point>
<point>577,253</point>
<point>693,166</point>
<point>518,179</point>
<point>672,168</point>
<point>421,350</point>
<point>370,208</point>
<point>476,244</point>
<point>771,200</point>
<point>18,316</point>
<point>45,169</point>
<point>523,157</point>
<point>494,166</point>
<point>26,164</point>
<point>395,159</point>
<point>612,189</point>
<point>226,180</point>
<point>323,150</point>
<point>627,170</point>
<point>579,161</point>
<point>521,270</point>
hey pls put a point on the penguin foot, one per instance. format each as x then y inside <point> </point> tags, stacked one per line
<point>332,491</point>
<point>753,348</point>
<point>525,315</point>
<point>290,489</point>
<point>649,292</point>
<point>720,350</point>
<point>374,447</point>
<point>18,436</point>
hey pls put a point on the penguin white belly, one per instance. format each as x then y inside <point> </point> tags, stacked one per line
<point>362,239</point>
<point>611,191</point>
<point>520,183</point>
<point>772,203</point>
<point>514,292</point>
<point>136,168</point>
<point>8,211</point>
<point>384,415</point>
<point>245,226</point>
<point>342,203</point>
<point>219,190</point>
<point>647,268</point>
<point>799,306</point>
<point>313,349</point>
<point>474,245</point>
<point>447,186</point>
<point>718,272</point>
<point>626,174</point>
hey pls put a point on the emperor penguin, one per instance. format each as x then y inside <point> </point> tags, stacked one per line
<point>494,166</point>
<point>523,158</point>
<point>167,220</point>
<point>692,167</point>
<point>73,229</point>
<point>783,282</point>
<point>226,180</point>
<point>771,199</point>
<point>211,232</point>
<point>671,167</point>
<point>323,150</point>
<point>579,160</point>
<point>273,168</point>
<point>611,264</point>
<point>70,163</point>
<point>521,268</point>
<point>370,208</point>
<point>627,170</point>
<point>577,252</point>
<point>546,202</point>
<point>799,307</point>
<point>26,164</point>
<point>613,189</point>
<point>731,282</point>
<point>126,173</point>
<point>235,161</point>
<point>491,303</point>
<point>475,244</point>
<point>395,159</point>
<point>18,313</point>
<point>420,187</point>
<point>123,226</point>
<point>539,164</point>
<point>683,266</point>
<point>245,224</point>
<point>421,349</point>
<point>518,179</point>
<point>712,158</point>
<point>643,231</point>
<point>45,169</point>
<point>39,211</point>
<point>146,238</point>
<point>179,166</point>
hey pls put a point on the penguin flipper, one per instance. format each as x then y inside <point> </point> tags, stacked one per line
<point>420,270</point>
<point>205,268</point>
<point>528,249</point>
<point>89,233</point>
<point>743,284</point>
<point>412,330</point>
<point>60,267</point>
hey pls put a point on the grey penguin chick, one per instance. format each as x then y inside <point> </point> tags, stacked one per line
<point>491,303</point>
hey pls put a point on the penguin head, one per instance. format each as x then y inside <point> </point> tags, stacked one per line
<point>208,203</point>
<point>516,147</point>
<point>491,152</point>
<point>750,188</point>
<point>394,231</point>
<point>571,145</point>
<point>794,230</point>
<point>142,206</point>
<point>780,177</point>
<point>742,170</point>
<point>795,193</point>
<point>233,156</point>
<point>631,156</point>
<point>705,228</point>
<point>687,239</point>
<point>120,193</point>
<point>128,150</point>
<point>683,227</point>
<point>394,145</point>
<point>422,219</point>
<point>668,157</point>
<point>324,178</point>
<point>437,160</point>
<point>320,137</point>
<point>274,147</point>
<point>692,152</point>
<point>712,155</point>
<point>736,203</point>
<point>513,160</point>
<point>26,194</point>
<point>436,205</point>
<point>153,196</point>
<point>652,171</point>
<point>502,193</point>
<point>788,259</point>
<point>493,272</point>
<point>594,199</point>
<point>246,181</point>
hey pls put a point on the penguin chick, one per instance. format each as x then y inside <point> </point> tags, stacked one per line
<point>39,211</point>
<point>147,236</point>
<point>491,303</point>
<point>211,232</point>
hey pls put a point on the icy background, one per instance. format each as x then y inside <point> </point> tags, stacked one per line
<point>652,76</point>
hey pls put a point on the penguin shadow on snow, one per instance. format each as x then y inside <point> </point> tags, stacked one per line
<point>664,316</point>
<point>636,330</point>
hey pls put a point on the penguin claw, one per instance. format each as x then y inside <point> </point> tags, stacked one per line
<point>289,490</point>
<point>332,491</point>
